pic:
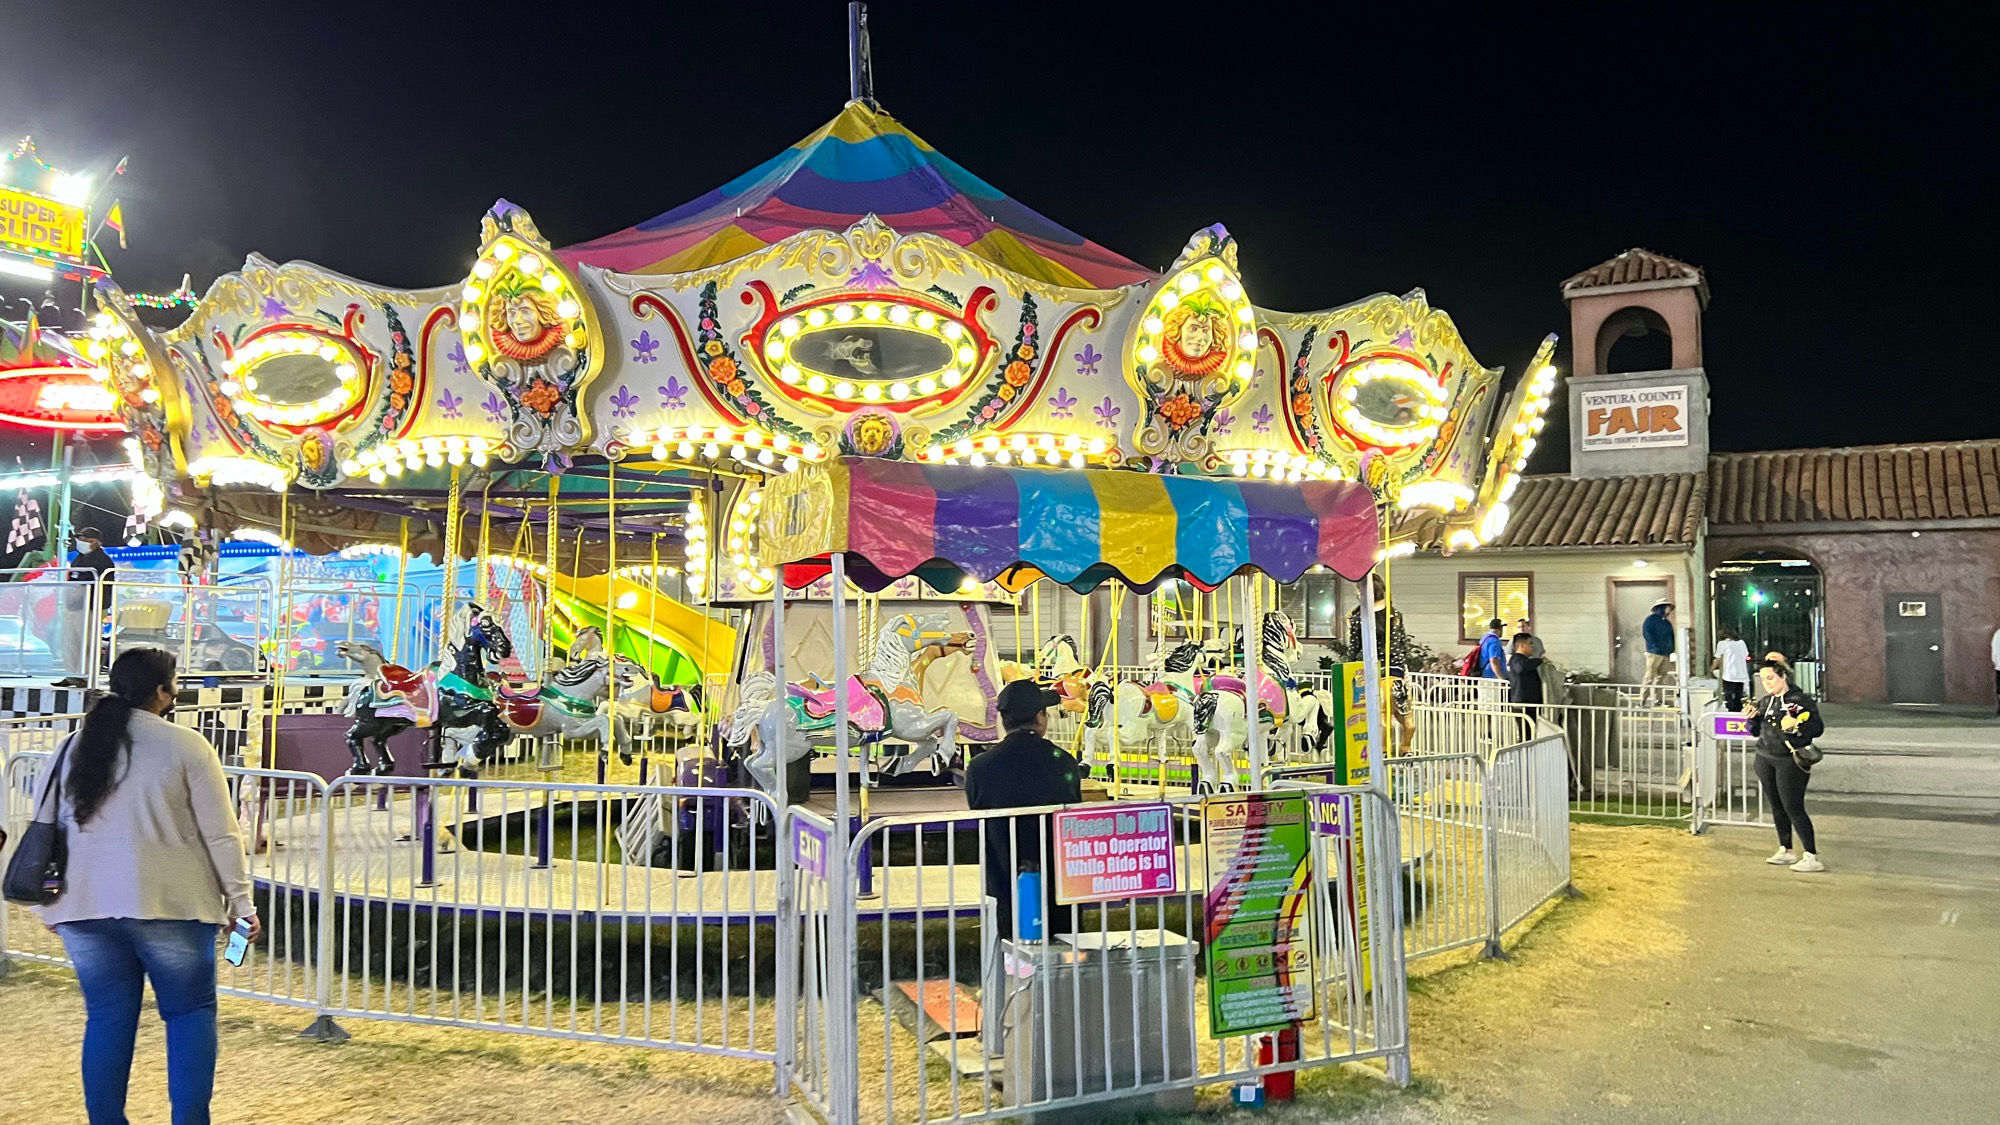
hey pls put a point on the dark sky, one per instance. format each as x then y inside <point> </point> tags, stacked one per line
<point>1833,172</point>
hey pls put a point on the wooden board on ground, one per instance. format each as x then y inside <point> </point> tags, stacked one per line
<point>936,1009</point>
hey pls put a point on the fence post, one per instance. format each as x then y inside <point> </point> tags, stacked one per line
<point>1489,833</point>
<point>789,949</point>
<point>323,1029</point>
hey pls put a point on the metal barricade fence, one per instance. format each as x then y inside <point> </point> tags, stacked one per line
<point>815,1058</point>
<point>1528,859</point>
<point>1447,842</point>
<point>1443,689</point>
<point>1727,790</point>
<point>1632,762</point>
<point>213,630</point>
<point>594,912</point>
<point>1108,1007</point>
<point>51,628</point>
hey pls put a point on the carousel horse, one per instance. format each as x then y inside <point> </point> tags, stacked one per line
<point>1057,668</point>
<point>644,703</point>
<point>1221,719</point>
<point>884,704</point>
<point>1141,714</point>
<point>570,705</point>
<point>390,699</point>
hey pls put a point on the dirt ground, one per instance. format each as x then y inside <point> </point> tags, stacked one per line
<point>1692,983</point>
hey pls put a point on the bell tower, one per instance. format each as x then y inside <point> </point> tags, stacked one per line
<point>1638,395</point>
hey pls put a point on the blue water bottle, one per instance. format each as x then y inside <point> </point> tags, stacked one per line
<point>1028,905</point>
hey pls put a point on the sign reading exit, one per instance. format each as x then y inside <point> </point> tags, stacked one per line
<point>1732,728</point>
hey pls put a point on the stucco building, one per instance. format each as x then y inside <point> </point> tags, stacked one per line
<point>1876,569</point>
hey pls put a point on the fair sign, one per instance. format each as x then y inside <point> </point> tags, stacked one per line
<point>1732,728</point>
<point>1114,851</point>
<point>809,844</point>
<point>1634,418</point>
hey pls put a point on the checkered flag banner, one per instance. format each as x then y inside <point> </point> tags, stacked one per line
<point>135,527</point>
<point>27,522</point>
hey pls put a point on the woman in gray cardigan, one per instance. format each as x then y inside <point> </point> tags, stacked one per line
<point>156,868</point>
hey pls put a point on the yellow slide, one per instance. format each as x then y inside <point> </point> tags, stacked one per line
<point>677,642</point>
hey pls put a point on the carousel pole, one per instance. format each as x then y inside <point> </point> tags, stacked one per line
<point>1253,677</point>
<point>781,774</point>
<point>610,610</point>
<point>402,577</point>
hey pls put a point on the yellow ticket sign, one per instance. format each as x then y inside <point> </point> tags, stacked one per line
<point>34,222</point>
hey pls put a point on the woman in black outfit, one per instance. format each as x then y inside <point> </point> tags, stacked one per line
<point>1784,717</point>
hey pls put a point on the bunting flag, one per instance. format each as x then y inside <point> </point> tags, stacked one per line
<point>27,522</point>
<point>115,219</point>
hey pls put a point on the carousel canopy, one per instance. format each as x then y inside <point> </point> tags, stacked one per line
<point>1082,528</point>
<point>862,162</point>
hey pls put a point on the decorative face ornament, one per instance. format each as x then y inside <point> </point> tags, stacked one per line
<point>523,325</point>
<point>1196,340</point>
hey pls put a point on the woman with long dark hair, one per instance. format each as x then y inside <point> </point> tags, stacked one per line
<point>1785,721</point>
<point>156,868</point>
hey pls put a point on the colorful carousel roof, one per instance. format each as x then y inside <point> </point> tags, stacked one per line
<point>1082,528</point>
<point>862,162</point>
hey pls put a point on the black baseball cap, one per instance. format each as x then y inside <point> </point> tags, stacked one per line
<point>1023,699</point>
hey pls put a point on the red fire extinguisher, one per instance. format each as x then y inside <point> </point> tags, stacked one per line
<point>1280,1048</point>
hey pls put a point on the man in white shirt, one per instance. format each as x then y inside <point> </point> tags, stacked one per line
<point>1732,662</point>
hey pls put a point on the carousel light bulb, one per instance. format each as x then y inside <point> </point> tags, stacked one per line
<point>1154,325</point>
<point>1027,457</point>
<point>966,352</point>
<point>575,339</point>
<point>926,319</point>
<point>567,309</point>
<point>1148,353</point>
<point>788,327</point>
<point>377,476</point>
<point>978,458</point>
<point>843,389</point>
<point>843,313</point>
<point>774,349</point>
<point>229,387</point>
<point>899,391</point>
<point>482,269</point>
<point>350,467</point>
<point>899,314</point>
<point>659,452</point>
<point>1245,314</point>
<point>816,384</point>
<point>129,347</point>
<point>811,451</point>
<point>1004,457</point>
<point>711,451</point>
<point>791,464</point>
<point>1247,341</point>
<point>456,457</point>
<point>473,352</point>
<point>1243,369</point>
<point>1097,446</point>
<point>1018,441</point>
<point>1076,460</point>
<point>871,312</point>
<point>738,452</point>
<point>529,264</point>
<point>346,373</point>
<point>927,386</point>
<point>766,457</point>
<point>471,294</point>
<point>1213,272</point>
<point>872,392</point>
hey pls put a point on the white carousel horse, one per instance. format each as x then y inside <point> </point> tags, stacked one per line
<point>885,703</point>
<point>568,706</point>
<point>644,704</point>
<point>1141,714</point>
<point>1222,722</point>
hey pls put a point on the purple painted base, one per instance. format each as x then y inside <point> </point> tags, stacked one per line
<point>318,744</point>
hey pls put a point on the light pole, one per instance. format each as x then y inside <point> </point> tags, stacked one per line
<point>1757,616</point>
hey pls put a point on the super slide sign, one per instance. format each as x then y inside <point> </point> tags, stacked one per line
<point>33,222</point>
<point>1114,852</point>
<point>1634,418</point>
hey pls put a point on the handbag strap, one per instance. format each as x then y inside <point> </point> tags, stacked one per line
<point>62,756</point>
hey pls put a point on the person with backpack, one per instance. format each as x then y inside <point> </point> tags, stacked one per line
<point>1785,721</point>
<point>155,868</point>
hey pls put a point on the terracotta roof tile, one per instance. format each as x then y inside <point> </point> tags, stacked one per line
<point>1657,510</point>
<point>1637,266</point>
<point>1944,480</point>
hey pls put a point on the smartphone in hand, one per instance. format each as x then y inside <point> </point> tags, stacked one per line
<point>239,942</point>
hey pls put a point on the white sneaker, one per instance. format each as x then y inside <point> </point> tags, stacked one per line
<point>1809,864</point>
<point>1783,857</point>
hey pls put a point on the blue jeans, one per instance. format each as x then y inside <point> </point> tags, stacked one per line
<point>114,957</point>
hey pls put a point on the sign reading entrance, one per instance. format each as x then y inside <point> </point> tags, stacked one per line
<point>1634,418</point>
<point>1259,917</point>
<point>1112,853</point>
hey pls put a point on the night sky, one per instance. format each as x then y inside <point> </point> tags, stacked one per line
<point>1833,172</point>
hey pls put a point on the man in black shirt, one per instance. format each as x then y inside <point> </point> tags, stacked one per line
<point>1025,770</point>
<point>91,565</point>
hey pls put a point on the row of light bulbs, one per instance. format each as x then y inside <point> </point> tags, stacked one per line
<point>694,527</point>
<point>743,544</point>
<point>241,470</point>
<point>1534,411</point>
<point>1277,465</point>
<point>531,266</point>
<point>391,459</point>
<point>964,352</point>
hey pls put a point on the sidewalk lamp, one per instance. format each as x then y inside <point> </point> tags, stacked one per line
<point>1756,597</point>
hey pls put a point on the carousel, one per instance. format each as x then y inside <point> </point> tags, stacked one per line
<point>883,437</point>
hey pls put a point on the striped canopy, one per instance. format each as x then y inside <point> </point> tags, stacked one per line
<point>1081,528</point>
<point>862,162</point>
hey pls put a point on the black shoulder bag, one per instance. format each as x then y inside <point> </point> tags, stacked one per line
<point>35,874</point>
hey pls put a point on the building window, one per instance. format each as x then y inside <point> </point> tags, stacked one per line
<point>1483,597</point>
<point>1313,605</point>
